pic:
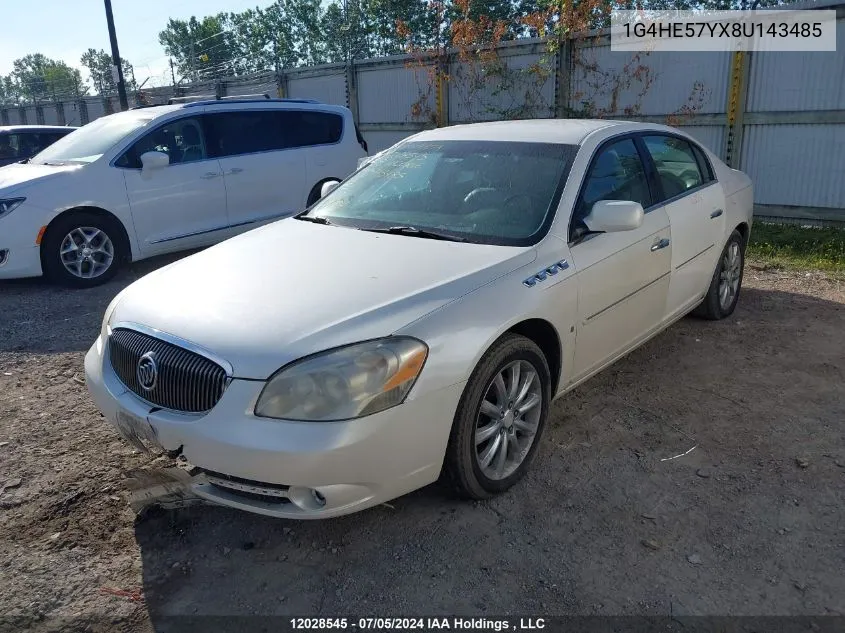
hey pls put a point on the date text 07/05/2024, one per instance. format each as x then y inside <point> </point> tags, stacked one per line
<point>424,624</point>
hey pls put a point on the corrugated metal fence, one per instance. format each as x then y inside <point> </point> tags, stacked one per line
<point>780,117</point>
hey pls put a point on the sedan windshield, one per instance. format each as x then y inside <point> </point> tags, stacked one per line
<point>487,192</point>
<point>91,141</point>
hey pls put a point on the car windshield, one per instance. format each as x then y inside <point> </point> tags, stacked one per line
<point>91,141</point>
<point>487,192</point>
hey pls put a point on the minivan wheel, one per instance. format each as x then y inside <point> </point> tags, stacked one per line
<point>500,419</point>
<point>82,250</point>
<point>723,293</point>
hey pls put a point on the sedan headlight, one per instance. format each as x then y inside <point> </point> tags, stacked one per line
<point>9,204</point>
<point>344,383</point>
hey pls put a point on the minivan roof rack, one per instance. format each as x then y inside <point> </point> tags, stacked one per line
<point>247,100</point>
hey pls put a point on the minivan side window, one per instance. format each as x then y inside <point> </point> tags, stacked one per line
<point>616,173</point>
<point>182,140</point>
<point>244,132</point>
<point>315,128</point>
<point>676,164</point>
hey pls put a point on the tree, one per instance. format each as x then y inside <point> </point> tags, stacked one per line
<point>202,49</point>
<point>37,77</point>
<point>99,65</point>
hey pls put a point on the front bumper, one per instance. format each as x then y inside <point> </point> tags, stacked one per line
<point>352,465</point>
<point>18,232</point>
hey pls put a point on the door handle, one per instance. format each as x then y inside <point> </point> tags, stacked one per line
<point>716,214</point>
<point>234,170</point>
<point>661,243</point>
<point>209,175</point>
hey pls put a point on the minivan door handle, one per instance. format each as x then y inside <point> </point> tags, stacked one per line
<point>210,174</point>
<point>234,170</point>
<point>716,214</point>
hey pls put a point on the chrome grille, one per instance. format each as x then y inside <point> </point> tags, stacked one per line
<point>186,381</point>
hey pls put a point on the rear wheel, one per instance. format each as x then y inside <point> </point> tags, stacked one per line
<point>723,293</point>
<point>500,419</point>
<point>82,250</point>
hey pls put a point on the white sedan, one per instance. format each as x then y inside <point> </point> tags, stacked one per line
<point>419,319</point>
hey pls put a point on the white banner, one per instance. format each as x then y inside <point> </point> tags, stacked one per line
<point>686,31</point>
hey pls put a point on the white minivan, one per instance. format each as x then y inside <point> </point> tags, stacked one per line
<point>165,178</point>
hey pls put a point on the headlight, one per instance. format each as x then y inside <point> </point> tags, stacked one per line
<point>345,383</point>
<point>9,204</point>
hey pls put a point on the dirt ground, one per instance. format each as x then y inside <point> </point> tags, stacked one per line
<point>748,522</point>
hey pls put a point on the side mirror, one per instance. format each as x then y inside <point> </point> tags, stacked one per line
<point>328,187</point>
<point>610,216</point>
<point>154,160</point>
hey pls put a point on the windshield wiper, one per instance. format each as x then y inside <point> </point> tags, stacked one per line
<point>415,232</point>
<point>316,219</point>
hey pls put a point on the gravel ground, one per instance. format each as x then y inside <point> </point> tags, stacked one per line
<point>747,523</point>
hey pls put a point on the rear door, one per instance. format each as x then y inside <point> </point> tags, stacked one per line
<point>182,205</point>
<point>623,277</point>
<point>695,204</point>
<point>264,174</point>
<point>330,144</point>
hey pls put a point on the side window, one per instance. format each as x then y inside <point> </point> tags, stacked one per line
<point>703,164</point>
<point>306,128</point>
<point>616,173</point>
<point>677,166</point>
<point>182,140</point>
<point>245,132</point>
<point>9,146</point>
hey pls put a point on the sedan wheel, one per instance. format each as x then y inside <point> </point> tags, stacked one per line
<point>500,419</point>
<point>730,275</point>
<point>723,292</point>
<point>508,420</point>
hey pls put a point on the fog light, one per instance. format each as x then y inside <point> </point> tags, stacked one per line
<point>306,498</point>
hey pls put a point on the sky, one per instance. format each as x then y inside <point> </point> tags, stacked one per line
<point>64,29</point>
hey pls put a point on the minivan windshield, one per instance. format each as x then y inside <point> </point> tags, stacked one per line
<point>487,192</point>
<point>91,141</point>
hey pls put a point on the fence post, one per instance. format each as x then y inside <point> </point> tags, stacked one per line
<point>737,97</point>
<point>442,92</point>
<point>282,84</point>
<point>563,78</point>
<point>352,90</point>
<point>4,116</point>
<point>220,90</point>
<point>22,113</point>
<point>83,112</point>
<point>60,113</point>
<point>39,114</point>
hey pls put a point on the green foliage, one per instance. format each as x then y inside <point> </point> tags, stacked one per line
<point>798,247</point>
<point>99,65</point>
<point>36,77</point>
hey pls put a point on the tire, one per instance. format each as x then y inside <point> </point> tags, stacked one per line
<point>716,305</point>
<point>463,468</point>
<point>107,250</point>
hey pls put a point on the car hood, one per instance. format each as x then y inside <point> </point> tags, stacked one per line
<point>16,177</point>
<point>293,288</point>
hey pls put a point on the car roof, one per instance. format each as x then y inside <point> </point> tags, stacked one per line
<point>563,131</point>
<point>37,128</point>
<point>238,104</point>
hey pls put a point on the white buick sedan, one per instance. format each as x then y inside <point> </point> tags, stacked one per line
<point>417,321</point>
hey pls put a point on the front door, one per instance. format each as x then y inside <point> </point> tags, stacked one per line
<point>182,205</point>
<point>623,277</point>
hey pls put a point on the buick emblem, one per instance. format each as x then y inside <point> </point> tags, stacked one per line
<point>147,371</point>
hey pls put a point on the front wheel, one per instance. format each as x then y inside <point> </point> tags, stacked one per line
<point>500,419</point>
<point>723,293</point>
<point>82,250</point>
